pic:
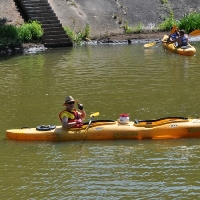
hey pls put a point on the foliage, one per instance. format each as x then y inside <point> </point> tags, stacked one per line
<point>136,29</point>
<point>190,22</point>
<point>79,36</point>
<point>8,31</point>
<point>30,31</point>
<point>168,23</point>
<point>8,36</point>
<point>164,1</point>
<point>11,36</point>
<point>71,34</point>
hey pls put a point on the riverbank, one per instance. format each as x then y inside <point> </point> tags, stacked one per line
<point>107,39</point>
<point>24,49</point>
<point>106,19</point>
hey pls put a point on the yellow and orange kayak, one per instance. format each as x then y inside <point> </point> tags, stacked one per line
<point>163,128</point>
<point>188,50</point>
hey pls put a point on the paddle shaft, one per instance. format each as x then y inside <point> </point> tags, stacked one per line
<point>89,123</point>
<point>91,118</point>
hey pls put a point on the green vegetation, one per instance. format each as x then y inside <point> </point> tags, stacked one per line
<point>80,35</point>
<point>135,29</point>
<point>168,23</point>
<point>190,22</point>
<point>8,36</point>
<point>30,31</point>
<point>12,36</point>
<point>164,1</point>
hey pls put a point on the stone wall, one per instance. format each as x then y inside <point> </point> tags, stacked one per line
<point>9,13</point>
<point>107,16</point>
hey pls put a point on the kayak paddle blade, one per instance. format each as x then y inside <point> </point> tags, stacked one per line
<point>195,33</point>
<point>94,114</point>
<point>150,44</point>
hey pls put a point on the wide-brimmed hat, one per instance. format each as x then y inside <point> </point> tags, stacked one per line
<point>69,99</point>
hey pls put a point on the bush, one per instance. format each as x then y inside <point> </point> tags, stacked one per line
<point>80,36</point>
<point>30,31</point>
<point>11,36</point>
<point>190,22</point>
<point>8,31</point>
<point>168,23</point>
<point>24,33</point>
<point>36,30</point>
<point>8,36</point>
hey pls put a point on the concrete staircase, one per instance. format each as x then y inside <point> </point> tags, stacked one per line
<point>40,10</point>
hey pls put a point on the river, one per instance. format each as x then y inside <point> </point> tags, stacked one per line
<point>147,83</point>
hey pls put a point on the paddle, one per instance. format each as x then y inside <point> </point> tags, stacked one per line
<point>195,33</point>
<point>173,29</point>
<point>150,44</point>
<point>91,118</point>
<point>153,43</point>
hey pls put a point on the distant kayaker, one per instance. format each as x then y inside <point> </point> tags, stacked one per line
<point>70,117</point>
<point>182,40</point>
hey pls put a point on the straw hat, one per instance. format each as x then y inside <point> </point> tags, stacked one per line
<point>69,99</point>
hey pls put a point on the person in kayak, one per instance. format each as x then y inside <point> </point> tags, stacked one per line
<point>174,35</point>
<point>182,40</point>
<point>70,117</point>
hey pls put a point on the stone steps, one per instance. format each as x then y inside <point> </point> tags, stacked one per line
<point>40,10</point>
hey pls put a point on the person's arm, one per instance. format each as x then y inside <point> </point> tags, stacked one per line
<point>82,111</point>
<point>186,38</point>
<point>83,114</point>
<point>65,123</point>
<point>173,41</point>
<point>168,39</point>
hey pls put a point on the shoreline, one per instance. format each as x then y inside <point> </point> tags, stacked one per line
<point>134,38</point>
<point>110,39</point>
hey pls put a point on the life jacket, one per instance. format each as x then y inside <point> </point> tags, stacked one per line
<point>74,117</point>
<point>174,36</point>
<point>184,41</point>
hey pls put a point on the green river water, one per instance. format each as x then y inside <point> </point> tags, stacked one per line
<point>110,79</point>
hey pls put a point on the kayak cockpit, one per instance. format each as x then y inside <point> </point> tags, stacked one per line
<point>160,121</point>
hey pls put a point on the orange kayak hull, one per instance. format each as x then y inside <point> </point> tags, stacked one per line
<point>164,128</point>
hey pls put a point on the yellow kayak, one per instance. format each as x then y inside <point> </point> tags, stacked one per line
<point>188,50</point>
<point>163,128</point>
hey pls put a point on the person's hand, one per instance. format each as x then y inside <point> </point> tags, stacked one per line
<point>80,106</point>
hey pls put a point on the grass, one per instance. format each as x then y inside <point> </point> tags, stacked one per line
<point>80,36</point>
<point>135,29</point>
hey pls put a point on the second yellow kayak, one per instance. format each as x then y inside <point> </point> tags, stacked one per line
<point>188,50</point>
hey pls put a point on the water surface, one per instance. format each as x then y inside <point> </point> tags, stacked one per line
<point>111,79</point>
